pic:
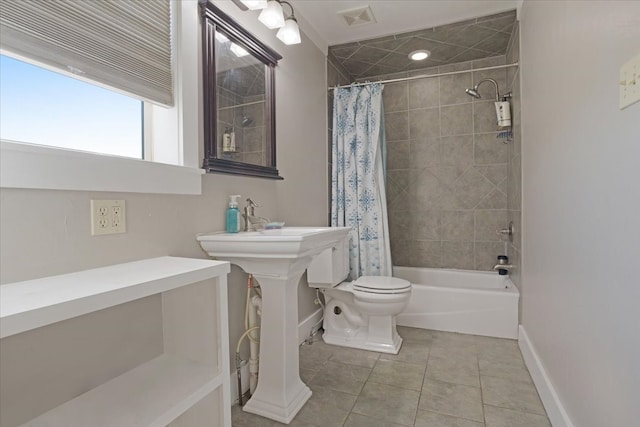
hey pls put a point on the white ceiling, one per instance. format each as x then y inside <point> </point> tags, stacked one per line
<point>392,16</point>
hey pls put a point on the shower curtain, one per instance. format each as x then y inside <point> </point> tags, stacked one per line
<point>358,178</point>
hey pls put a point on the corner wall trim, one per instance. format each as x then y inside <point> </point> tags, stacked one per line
<point>552,404</point>
<point>305,327</point>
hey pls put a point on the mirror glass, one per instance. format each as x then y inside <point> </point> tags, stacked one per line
<point>241,132</point>
<point>239,103</point>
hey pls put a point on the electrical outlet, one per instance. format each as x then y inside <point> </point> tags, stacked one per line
<point>107,217</point>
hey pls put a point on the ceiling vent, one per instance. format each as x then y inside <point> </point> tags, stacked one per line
<point>358,16</point>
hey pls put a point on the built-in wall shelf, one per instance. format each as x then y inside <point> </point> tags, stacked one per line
<point>193,368</point>
<point>152,394</point>
<point>35,303</point>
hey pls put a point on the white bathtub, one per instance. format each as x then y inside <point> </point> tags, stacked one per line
<point>469,302</point>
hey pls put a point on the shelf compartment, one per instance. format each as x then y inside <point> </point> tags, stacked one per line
<point>152,394</point>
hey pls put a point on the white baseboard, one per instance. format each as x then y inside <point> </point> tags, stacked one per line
<point>307,325</point>
<point>552,404</point>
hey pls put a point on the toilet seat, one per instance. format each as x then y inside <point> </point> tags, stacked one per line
<point>381,285</point>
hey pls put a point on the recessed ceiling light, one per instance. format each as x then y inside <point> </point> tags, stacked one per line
<point>419,55</point>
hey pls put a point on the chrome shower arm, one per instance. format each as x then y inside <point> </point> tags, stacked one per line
<point>495,84</point>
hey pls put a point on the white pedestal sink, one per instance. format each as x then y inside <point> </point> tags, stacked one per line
<point>276,259</point>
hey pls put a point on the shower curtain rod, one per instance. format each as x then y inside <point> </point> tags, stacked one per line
<point>402,79</point>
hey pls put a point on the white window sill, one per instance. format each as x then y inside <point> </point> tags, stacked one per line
<point>40,167</point>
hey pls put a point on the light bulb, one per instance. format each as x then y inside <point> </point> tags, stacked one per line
<point>419,55</point>
<point>255,4</point>
<point>272,16</point>
<point>290,32</point>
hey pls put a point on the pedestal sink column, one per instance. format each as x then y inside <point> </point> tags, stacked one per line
<point>277,261</point>
<point>280,393</point>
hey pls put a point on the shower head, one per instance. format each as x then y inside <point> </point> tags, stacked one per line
<point>246,121</point>
<point>473,92</point>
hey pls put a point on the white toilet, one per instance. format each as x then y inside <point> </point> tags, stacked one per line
<point>359,314</point>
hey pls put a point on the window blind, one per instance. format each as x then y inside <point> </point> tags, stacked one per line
<point>123,44</point>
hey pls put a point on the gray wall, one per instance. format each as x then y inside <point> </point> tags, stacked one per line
<point>446,171</point>
<point>580,204</point>
<point>48,232</point>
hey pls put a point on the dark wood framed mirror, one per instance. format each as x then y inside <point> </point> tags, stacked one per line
<point>239,98</point>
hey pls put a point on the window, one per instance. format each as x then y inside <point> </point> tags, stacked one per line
<point>43,107</point>
<point>171,126</point>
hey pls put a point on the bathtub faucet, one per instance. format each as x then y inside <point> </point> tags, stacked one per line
<point>503,267</point>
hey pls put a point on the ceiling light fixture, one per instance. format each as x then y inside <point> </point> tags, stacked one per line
<point>272,16</point>
<point>255,4</point>
<point>290,32</point>
<point>419,55</point>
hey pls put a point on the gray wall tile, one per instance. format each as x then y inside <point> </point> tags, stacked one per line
<point>396,126</point>
<point>457,150</point>
<point>424,93</point>
<point>395,97</point>
<point>457,225</point>
<point>424,153</point>
<point>457,255</point>
<point>456,120</point>
<point>452,89</point>
<point>424,123</point>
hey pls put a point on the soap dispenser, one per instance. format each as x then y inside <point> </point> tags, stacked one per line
<point>233,215</point>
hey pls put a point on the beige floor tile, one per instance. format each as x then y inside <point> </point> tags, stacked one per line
<point>239,418</point>
<point>413,352</point>
<point>458,370</point>
<point>424,336</point>
<point>511,394</point>
<point>357,420</point>
<point>492,368</point>
<point>501,417</point>
<point>388,403</point>
<point>433,419</point>
<point>354,356</point>
<point>313,356</point>
<point>456,343</point>
<point>398,374</point>
<point>452,399</point>
<point>326,407</point>
<point>341,377</point>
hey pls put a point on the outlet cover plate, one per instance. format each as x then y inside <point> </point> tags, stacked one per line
<point>630,82</point>
<point>108,217</point>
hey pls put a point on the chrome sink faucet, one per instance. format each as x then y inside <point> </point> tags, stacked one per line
<point>250,218</point>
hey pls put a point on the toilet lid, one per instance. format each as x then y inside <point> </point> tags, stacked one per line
<point>381,284</point>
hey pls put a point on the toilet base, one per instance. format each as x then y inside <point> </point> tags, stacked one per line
<point>360,341</point>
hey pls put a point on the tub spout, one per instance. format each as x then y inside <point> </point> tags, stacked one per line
<point>503,267</point>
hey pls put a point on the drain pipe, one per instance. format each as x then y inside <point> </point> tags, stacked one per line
<point>239,362</point>
<point>255,310</point>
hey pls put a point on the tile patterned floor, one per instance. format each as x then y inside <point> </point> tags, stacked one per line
<point>438,379</point>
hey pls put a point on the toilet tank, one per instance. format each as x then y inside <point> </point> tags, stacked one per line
<point>329,267</point>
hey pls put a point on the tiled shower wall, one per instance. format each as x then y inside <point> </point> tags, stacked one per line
<point>514,188</point>
<point>447,172</point>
